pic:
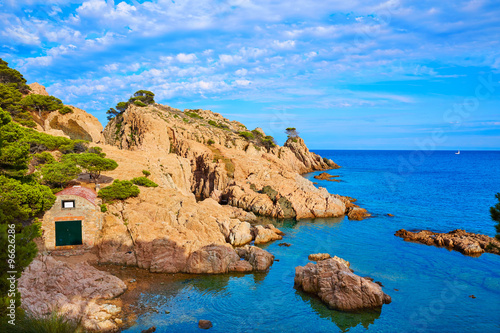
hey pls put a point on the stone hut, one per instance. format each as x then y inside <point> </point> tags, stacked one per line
<point>74,222</point>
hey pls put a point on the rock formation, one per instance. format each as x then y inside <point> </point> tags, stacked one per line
<point>77,125</point>
<point>252,174</point>
<point>75,290</point>
<point>459,240</point>
<point>327,176</point>
<point>337,286</point>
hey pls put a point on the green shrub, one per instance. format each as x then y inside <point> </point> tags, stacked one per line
<point>42,158</point>
<point>104,208</point>
<point>139,103</point>
<point>193,115</point>
<point>246,135</point>
<point>55,323</point>
<point>146,173</point>
<point>65,110</point>
<point>256,133</point>
<point>143,181</point>
<point>210,142</point>
<point>219,125</point>
<point>185,120</point>
<point>119,190</point>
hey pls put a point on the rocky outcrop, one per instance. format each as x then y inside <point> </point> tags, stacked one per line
<point>164,231</point>
<point>76,125</point>
<point>37,88</point>
<point>75,290</point>
<point>459,240</point>
<point>307,161</point>
<point>327,176</point>
<point>337,286</point>
<point>227,162</point>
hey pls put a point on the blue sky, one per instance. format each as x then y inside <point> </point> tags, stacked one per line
<point>348,74</point>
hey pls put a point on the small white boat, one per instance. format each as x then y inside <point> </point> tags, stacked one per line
<point>457,153</point>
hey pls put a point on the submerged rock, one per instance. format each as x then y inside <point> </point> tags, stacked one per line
<point>205,324</point>
<point>337,286</point>
<point>459,240</point>
<point>318,256</point>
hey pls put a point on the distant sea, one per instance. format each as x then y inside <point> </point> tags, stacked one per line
<point>430,286</point>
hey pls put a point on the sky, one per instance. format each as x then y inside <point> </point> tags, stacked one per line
<point>352,74</point>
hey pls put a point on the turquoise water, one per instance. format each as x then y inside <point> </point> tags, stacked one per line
<point>429,286</point>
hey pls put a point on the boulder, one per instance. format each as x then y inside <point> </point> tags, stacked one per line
<point>205,324</point>
<point>240,234</point>
<point>265,234</point>
<point>48,284</point>
<point>334,283</point>
<point>357,213</point>
<point>212,259</point>
<point>260,259</point>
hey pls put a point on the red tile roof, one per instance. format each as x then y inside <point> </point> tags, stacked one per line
<point>83,192</point>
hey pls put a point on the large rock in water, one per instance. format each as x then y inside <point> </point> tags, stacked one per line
<point>466,242</point>
<point>337,286</point>
<point>260,259</point>
<point>71,289</point>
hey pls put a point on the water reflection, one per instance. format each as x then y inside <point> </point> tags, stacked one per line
<point>344,320</point>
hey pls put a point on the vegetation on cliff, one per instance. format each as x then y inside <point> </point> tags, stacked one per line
<point>22,200</point>
<point>13,89</point>
<point>140,98</point>
<point>119,190</point>
<point>143,181</point>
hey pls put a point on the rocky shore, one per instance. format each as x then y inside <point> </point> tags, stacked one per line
<point>216,179</point>
<point>459,240</point>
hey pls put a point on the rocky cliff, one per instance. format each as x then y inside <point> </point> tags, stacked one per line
<point>227,162</point>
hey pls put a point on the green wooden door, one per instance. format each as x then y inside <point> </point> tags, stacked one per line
<point>68,233</point>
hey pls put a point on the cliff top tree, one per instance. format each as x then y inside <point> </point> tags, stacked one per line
<point>143,96</point>
<point>292,132</point>
<point>41,103</point>
<point>140,98</point>
<point>495,215</point>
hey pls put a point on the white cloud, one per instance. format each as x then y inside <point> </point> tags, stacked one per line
<point>186,58</point>
<point>285,45</point>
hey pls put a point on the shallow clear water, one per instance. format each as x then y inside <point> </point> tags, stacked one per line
<point>429,286</point>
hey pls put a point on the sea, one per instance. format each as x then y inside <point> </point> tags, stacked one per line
<point>433,289</point>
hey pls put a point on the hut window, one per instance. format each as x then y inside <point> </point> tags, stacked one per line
<point>68,204</point>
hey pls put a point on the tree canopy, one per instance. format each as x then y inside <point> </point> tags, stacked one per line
<point>41,103</point>
<point>140,98</point>
<point>292,132</point>
<point>92,163</point>
<point>59,173</point>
